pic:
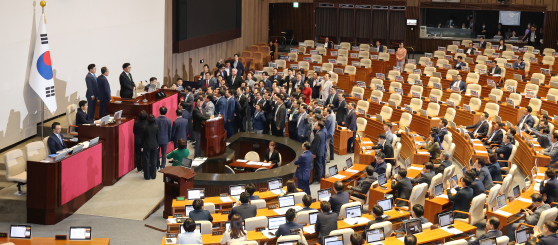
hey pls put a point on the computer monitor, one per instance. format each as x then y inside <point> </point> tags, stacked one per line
<point>454,178</point>
<point>274,184</point>
<point>385,204</point>
<point>236,190</point>
<point>286,201</point>
<point>313,217</point>
<point>516,191</point>
<point>349,162</point>
<point>324,194</point>
<point>382,179</point>
<point>488,241</point>
<point>396,170</point>
<point>274,223</point>
<point>501,199</point>
<point>445,219</point>
<point>187,163</point>
<point>333,170</point>
<point>412,226</point>
<point>439,189</point>
<point>522,235</point>
<point>187,209</point>
<point>333,240</point>
<point>196,193</point>
<point>20,231</point>
<point>77,148</point>
<point>374,235</point>
<point>354,211</point>
<point>80,233</point>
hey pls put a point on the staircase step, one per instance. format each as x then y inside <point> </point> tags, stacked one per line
<point>6,184</point>
<point>3,176</point>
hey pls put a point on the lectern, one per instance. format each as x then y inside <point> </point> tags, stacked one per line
<point>213,137</point>
<point>177,182</point>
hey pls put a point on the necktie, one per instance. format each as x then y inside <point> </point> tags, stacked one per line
<point>492,136</point>
<point>331,100</point>
<point>95,77</point>
<point>207,84</point>
<point>522,121</point>
<point>129,77</point>
<point>60,138</point>
<point>477,129</point>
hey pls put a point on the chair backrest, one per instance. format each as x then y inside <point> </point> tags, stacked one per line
<point>363,54</point>
<point>303,216</point>
<point>475,104</point>
<point>456,98</point>
<point>260,203</point>
<point>478,67</point>
<point>45,142</point>
<point>450,114</point>
<point>255,242</point>
<point>492,194</point>
<point>327,67</point>
<point>492,109</point>
<point>386,225</point>
<point>316,58</point>
<point>387,111</point>
<point>475,87</point>
<point>452,49</point>
<point>488,52</point>
<point>409,68</point>
<point>548,60</point>
<point>462,57</point>
<point>342,211</point>
<point>345,45</point>
<point>436,180</point>
<point>361,124</point>
<point>429,71</point>
<point>71,111</point>
<point>465,43</point>
<point>437,93</point>
<point>451,72</point>
<point>258,57</point>
<point>304,64</point>
<point>298,197</point>
<point>288,238</point>
<point>396,98</point>
<point>441,62</point>
<point>342,60</point>
<point>293,56</point>
<point>472,77</point>
<point>433,80</point>
<point>397,148</point>
<point>533,87</point>
<point>206,226</point>
<point>416,104</point>
<point>229,170</point>
<point>252,156</point>
<point>553,91</point>
<point>383,56</point>
<point>535,104</point>
<point>246,54</point>
<point>364,48</point>
<point>418,194</point>
<point>417,88</point>
<point>446,141</point>
<point>516,98</point>
<point>405,120</point>
<point>506,185</point>
<point>476,210</point>
<point>512,154</point>
<point>411,78</point>
<point>388,170</point>
<point>281,63</point>
<point>35,151</point>
<point>547,215</point>
<point>392,74</point>
<point>322,51</point>
<point>343,52</point>
<point>439,54</point>
<point>510,82</point>
<point>309,43</point>
<point>503,240</point>
<point>498,93</point>
<point>377,93</point>
<point>209,207</point>
<point>507,54</point>
<point>375,81</point>
<point>457,242</point>
<point>481,59</point>
<point>254,48</point>
<point>347,232</point>
<point>357,90</point>
<point>366,63</point>
<point>393,85</point>
<point>448,172</point>
<point>333,77</point>
<point>501,62</point>
<point>269,70</point>
<point>15,163</point>
<point>250,224</point>
<point>350,69</point>
<point>363,104</point>
<point>548,51</point>
<point>423,60</point>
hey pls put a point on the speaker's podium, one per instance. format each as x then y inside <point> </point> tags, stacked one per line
<point>177,180</point>
<point>213,137</point>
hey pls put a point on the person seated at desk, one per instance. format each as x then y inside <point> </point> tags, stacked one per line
<point>416,213</point>
<point>477,186</point>
<point>410,240</point>
<point>379,164</point>
<point>251,188</point>
<point>548,234</point>
<point>483,173</point>
<point>432,146</point>
<point>402,185</point>
<point>494,167</point>
<point>307,201</point>
<point>482,43</point>
<point>549,190</point>
<point>542,133</point>
<point>388,133</point>
<point>81,115</point>
<point>56,140</point>
<point>178,154</point>
<point>236,233</point>
<point>364,184</point>
<point>199,212</point>
<point>189,235</point>
<point>459,64</point>
<point>444,162</point>
<point>458,83</point>
<point>285,229</point>
<point>291,187</point>
<point>504,151</point>
<point>271,155</point>
<point>480,128</point>
<point>492,225</point>
<point>379,46</point>
<point>243,208</point>
<point>378,214</point>
<point>531,216</point>
<point>552,150</point>
<point>494,69</point>
<point>501,45</point>
<point>470,50</point>
<point>497,135</point>
<point>340,197</point>
<point>442,130</point>
<point>519,64</point>
<point>462,199</point>
<point>326,221</point>
<point>383,147</point>
<point>152,84</point>
<point>426,175</point>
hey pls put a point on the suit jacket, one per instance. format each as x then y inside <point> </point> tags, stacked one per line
<point>489,234</point>
<point>204,83</point>
<point>380,48</point>
<point>245,211</point>
<point>494,70</point>
<point>139,128</point>
<point>478,187</point>
<point>482,45</point>
<point>462,85</point>
<point>472,51</point>
<point>506,150</point>
<point>304,162</point>
<point>550,189</point>
<point>92,88</point>
<point>379,169</point>
<point>458,65</point>
<point>317,146</point>
<point>81,118</point>
<point>330,126</point>
<point>335,100</point>
<point>462,199</point>
<point>221,107</point>
<point>274,156</point>
<point>326,87</point>
<point>495,171</point>
<point>197,119</point>
<point>258,121</point>
<point>127,85</point>
<point>386,149</point>
<point>482,127</point>
<point>254,197</point>
<point>54,143</point>
<point>424,178</point>
<point>403,188</point>
<point>434,149</point>
<point>496,137</point>
<point>150,137</point>
<point>485,178</point>
<point>236,83</point>
<point>307,209</point>
<point>285,229</point>
<point>200,215</point>
<point>365,184</point>
<point>533,219</point>
<point>104,88</point>
<point>502,46</point>
<point>325,223</point>
<point>278,78</point>
<point>315,87</point>
<point>537,39</point>
<point>209,109</point>
<point>239,67</point>
<point>302,126</point>
<point>337,200</point>
<point>552,152</point>
<point>341,112</point>
<point>329,45</point>
<point>548,240</point>
<point>165,129</point>
<point>179,130</point>
<point>529,121</point>
<point>350,122</point>
<point>441,133</point>
<point>279,117</point>
<point>230,109</point>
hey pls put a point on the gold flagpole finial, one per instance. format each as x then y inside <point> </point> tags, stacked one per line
<point>43,4</point>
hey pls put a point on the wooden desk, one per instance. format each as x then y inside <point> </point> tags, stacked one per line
<point>428,235</point>
<point>213,137</point>
<point>51,241</point>
<point>328,182</point>
<point>377,193</point>
<point>525,157</point>
<point>360,156</point>
<point>55,190</point>
<point>244,164</point>
<point>409,149</point>
<point>340,140</point>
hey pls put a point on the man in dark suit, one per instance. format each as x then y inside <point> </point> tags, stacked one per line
<point>341,110</point>
<point>197,119</point>
<point>278,122</point>
<point>302,125</point>
<point>330,129</point>
<point>285,229</point>
<point>292,117</point>
<point>504,150</point>
<point>81,116</point>
<point>139,128</point>
<point>403,187</point>
<point>459,84</point>
<point>494,69</point>
<point>164,136</point>
<point>481,127</point>
<point>208,81</point>
<point>533,39</point>
<point>326,221</point>
<point>492,225</point>
<point>462,199</point>
<point>104,91</point>
<point>314,82</point>
<point>328,44</point>
<point>236,64</point>
<point>379,163</point>
<point>526,119</point>
<point>243,208</point>
<point>179,128</point>
<point>318,151</point>
<point>127,85</point>
<point>259,120</point>
<point>275,77</point>
<point>364,184</point>
<point>470,50</point>
<point>150,140</point>
<point>458,63</point>
<point>350,123</point>
<point>483,173</point>
<point>92,93</point>
<point>442,130</point>
<point>379,46</point>
<point>497,135</point>
<point>229,122</point>
<point>221,105</point>
<point>426,176</point>
<point>307,201</point>
<point>235,80</point>
<point>482,43</point>
<point>56,140</point>
<point>251,188</point>
<point>384,147</point>
<point>333,98</point>
<point>199,213</point>
<point>550,188</point>
<point>339,198</point>
<point>304,166</point>
<point>548,234</point>
<point>378,214</point>
<point>476,185</point>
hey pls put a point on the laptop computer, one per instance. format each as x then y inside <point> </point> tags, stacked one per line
<point>439,189</point>
<point>313,217</point>
<point>412,226</point>
<point>333,240</point>
<point>445,219</point>
<point>187,209</point>
<point>274,223</point>
<point>198,228</point>
<point>20,231</point>
<point>375,236</point>
<point>196,193</point>
<point>385,204</point>
<point>501,199</point>
<point>354,211</point>
<point>382,179</point>
<point>333,170</point>
<point>80,233</point>
<point>77,148</point>
<point>349,162</point>
<point>516,191</point>
<point>275,185</point>
<point>187,163</point>
<point>324,194</point>
<point>395,170</point>
<point>522,235</point>
<point>236,190</point>
<point>286,201</point>
<point>488,241</point>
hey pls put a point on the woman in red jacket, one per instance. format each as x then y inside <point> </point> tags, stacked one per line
<point>307,91</point>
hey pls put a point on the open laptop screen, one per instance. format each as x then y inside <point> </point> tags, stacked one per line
<point>382,180</point>
<point>522,235</point>
<point>349,162</point>
<point>80,233</point>
<point>20,231</point>
<point>354,211</point>
<point>286,201</point>
<point>446,219</point>
<point>324,194</point>
<point>275,184</point>
<point>413,226</point>
<point>385,204</point>
<point>274,223</point>
<point>196,193</point>
<point>375,235</point>
<point>439,189</point>
<point>313,217</point>
<point>236,190</point>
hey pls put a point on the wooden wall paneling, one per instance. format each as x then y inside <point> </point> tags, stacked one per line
<point>412,37</point>
<point>550,32</point>
<point>285,17</point>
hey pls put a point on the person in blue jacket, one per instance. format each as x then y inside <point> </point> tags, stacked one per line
<point>259,120</point>
<point>304,163</point>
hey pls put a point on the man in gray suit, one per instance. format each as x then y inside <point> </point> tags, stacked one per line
<point>164,135</point>
<point>285,229</point>
<point>243,208</point>
<point>92,93</point>
<point>531,216</point>
<point>325,222</point>
<point>209,109</point>
<point>278,122</point>
<point>483,173</point>
<point>552,151</point>
<point>189,96</point>
<point>389,134</point>
<point>492,231</point>
<point>179,128</point>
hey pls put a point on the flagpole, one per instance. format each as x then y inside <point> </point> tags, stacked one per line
<point>43,4</point>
